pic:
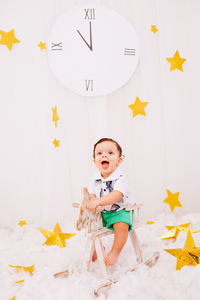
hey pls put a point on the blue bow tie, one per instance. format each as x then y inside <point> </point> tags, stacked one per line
<point>109,186</point>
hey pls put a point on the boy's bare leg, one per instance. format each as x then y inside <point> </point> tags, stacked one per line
<point>120,238</point>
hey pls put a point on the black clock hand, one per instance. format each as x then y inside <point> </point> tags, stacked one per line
<point>90,46</point>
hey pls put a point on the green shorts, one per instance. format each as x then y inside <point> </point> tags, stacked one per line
<point>111,217</point>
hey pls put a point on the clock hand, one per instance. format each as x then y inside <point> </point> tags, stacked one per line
<point>90,46</point>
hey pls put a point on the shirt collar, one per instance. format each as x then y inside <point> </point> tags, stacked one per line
<point>115,175</point>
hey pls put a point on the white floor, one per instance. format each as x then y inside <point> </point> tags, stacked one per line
<point>23,246</point>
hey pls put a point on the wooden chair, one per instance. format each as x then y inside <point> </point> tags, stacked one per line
<point>91,222</point>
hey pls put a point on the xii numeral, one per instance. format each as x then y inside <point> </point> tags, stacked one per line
<point>56,46</point>
<point>129,51</point>
<point>89,85</point>
<point>89,13</point>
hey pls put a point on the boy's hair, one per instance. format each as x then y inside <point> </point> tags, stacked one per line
<point>108,140</point>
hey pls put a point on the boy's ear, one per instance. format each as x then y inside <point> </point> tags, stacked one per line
<point>120,160</point>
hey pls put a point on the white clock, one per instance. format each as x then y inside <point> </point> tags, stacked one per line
<point>92,50</point>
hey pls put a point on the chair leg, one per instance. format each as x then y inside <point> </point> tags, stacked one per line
<point>136,245</point>
<point>100,255</point>
<point>89,249</point>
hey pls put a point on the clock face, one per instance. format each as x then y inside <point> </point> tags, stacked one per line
<point>92,50</point>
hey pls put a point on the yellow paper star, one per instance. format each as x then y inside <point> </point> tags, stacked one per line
<point>174,231</point>
<point>172,200</point>
<point>25,269</point>
<point>171,234</point>
<point>8,38</point>
<point>56,143</point>
<point>138,107</point>
<point>42,45</point>
<point>55,115</point>
<point>153,28</point>
<point>176,62</point>
<point>195,253</point>
<point>184,227</point>
<point>57,237</point>
<point>183,256</point>
<point>150,222</point>
<point>19,281</point>
<point>22,223</point>
<point>13,298</point>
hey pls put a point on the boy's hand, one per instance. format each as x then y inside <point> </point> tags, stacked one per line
<point>92,204</point>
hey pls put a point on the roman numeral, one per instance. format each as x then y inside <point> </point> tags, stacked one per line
<point>56,46</point>
<point>128,51</point>
<point>89,13</point>
<point>89,85</point>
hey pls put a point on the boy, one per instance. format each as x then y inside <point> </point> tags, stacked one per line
<point>109,188</point>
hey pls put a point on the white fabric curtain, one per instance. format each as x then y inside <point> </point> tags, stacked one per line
<point>38,182</point>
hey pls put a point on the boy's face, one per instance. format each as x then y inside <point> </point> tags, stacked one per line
<point>107,158</point>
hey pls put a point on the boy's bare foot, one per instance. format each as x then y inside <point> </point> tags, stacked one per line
<point>111,258</point>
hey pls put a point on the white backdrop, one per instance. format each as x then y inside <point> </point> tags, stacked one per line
<point>38,182</point>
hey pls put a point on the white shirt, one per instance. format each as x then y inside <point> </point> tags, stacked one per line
<point>115,182</point>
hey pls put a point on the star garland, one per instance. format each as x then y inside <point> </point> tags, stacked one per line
<point>172,200</point>
<point>176,62</point>
<point>138,107</point>
<point>8,38</point>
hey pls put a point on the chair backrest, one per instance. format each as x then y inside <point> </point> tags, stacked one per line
<point>90,221</point>
<point>136,216</point>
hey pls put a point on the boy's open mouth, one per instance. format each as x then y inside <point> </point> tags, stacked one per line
<point>105,164</point>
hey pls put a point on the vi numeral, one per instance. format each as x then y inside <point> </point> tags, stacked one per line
<point>89,85</point>
<point>89,13</point>
<point>56,46</point>
<point>129,51</point>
